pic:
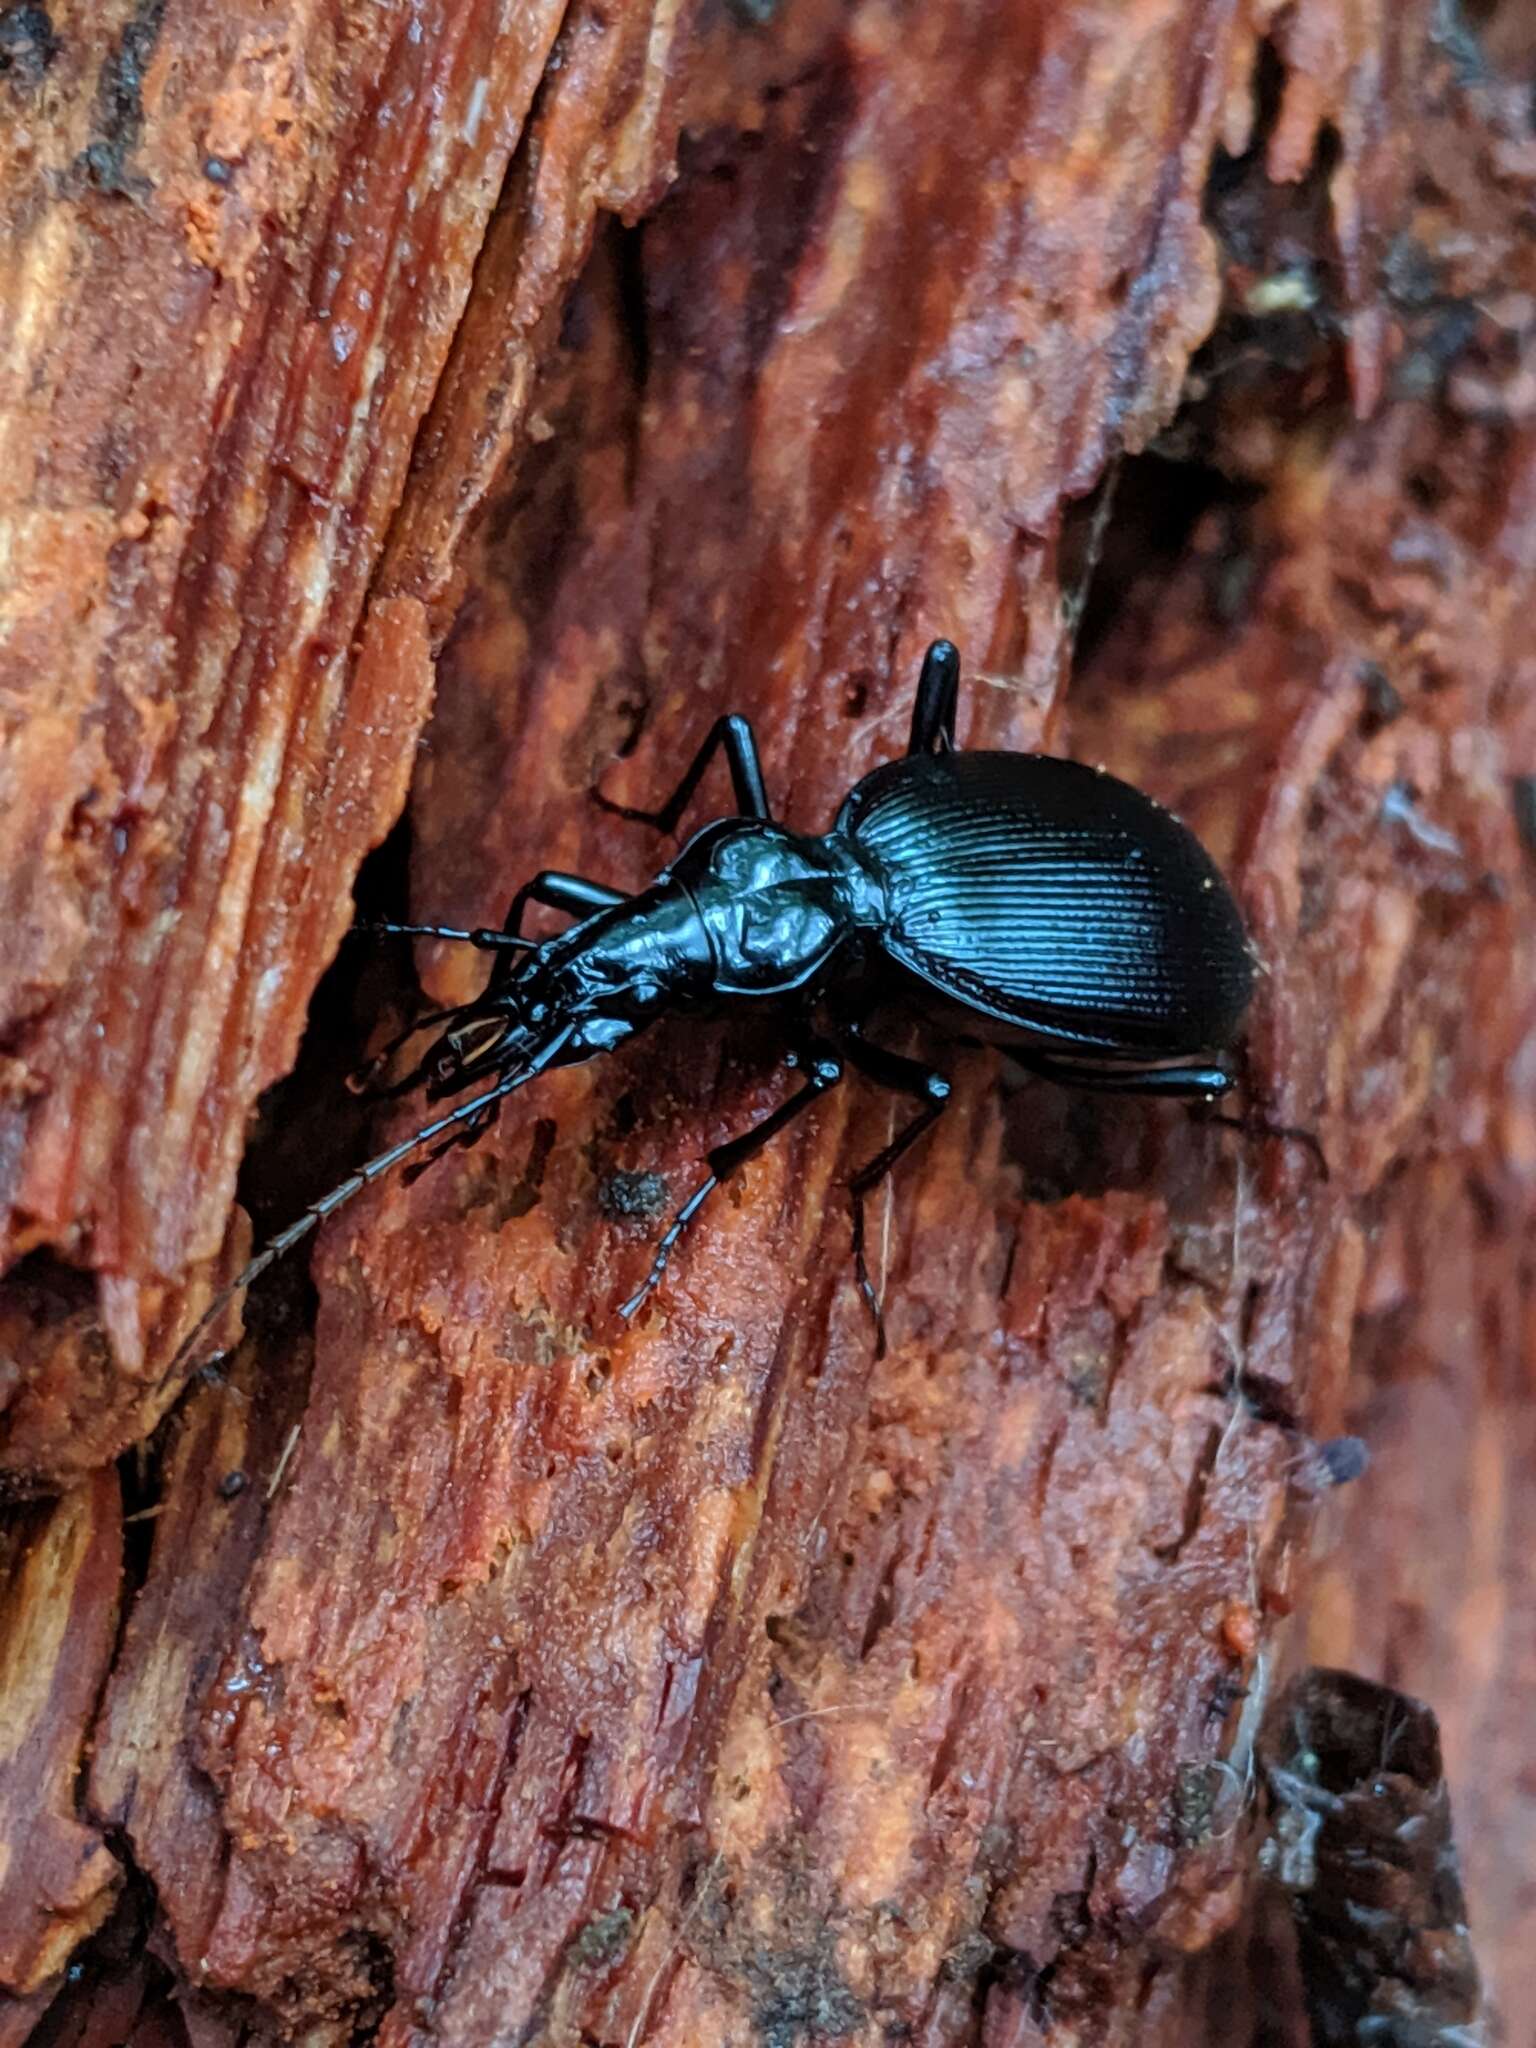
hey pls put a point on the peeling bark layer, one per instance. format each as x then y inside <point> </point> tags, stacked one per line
<point>706,1679</point>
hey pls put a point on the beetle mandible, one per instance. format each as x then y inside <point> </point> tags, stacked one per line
<point>1013,899</point>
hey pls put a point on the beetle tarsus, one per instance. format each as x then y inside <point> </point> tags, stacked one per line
<point>679,1224</point>
<point>865,1285</point>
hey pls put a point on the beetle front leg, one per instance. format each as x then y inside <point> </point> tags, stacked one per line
<point>573,893</point>
<point>482,935</point>
<point>735,735</point>
<point>556,891</point>
<point>823,1070</point>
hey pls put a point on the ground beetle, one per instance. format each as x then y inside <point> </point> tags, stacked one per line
<point>1011,899</point>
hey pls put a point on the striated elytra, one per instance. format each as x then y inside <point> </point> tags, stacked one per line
<point>1011,899</point>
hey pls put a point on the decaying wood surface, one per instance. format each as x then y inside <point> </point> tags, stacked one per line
<point>493,1670</point>
<point>243,255</point>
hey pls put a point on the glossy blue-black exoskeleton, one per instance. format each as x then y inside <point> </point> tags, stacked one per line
<point>1014,899</point>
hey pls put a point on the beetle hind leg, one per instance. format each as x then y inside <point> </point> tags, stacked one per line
<point>1208,1079</point>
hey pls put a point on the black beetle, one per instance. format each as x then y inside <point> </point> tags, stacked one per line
<point>1013,899</point>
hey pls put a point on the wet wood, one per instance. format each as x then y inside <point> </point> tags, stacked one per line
<point>704,1679</point>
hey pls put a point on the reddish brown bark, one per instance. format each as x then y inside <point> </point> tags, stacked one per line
<point>705,1679</point>
<point>60,1570</point>
<point>244,251</point>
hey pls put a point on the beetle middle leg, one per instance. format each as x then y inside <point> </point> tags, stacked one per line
<point>735,735</point>
<point>907,1077</point>
<point>823,1070</point>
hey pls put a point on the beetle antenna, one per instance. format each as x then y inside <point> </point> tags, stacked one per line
<point>372,1170</point>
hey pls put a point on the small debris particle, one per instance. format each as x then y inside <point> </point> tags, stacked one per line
<point>968,1958</point>
<point>1383,700</point>
<point>231,1484</point>
<point>632,1197</point>
<point>1224,1698</point>
<point>118,118</point>
<point>603,1939</point>
<point>28,45</point>
<point>1338,1461</point>
<point>1239,1629</point>
<point>1400,807</point>
<point>289,1445</point>
<point>1194,1802</point>
<point>800,1992</point>
<point>1284,291</point>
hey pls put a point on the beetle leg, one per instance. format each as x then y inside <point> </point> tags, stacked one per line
<point>823,1070</point>
<point>1252,1123</point>
<point>736,736</point>
<point>1208,1082</point>
<point>907,1077</point>
<point>560,892</point>
<point>938,694</point>
<point>482,936</point>
<point>556,891</point>
<point>1191,1080</point>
